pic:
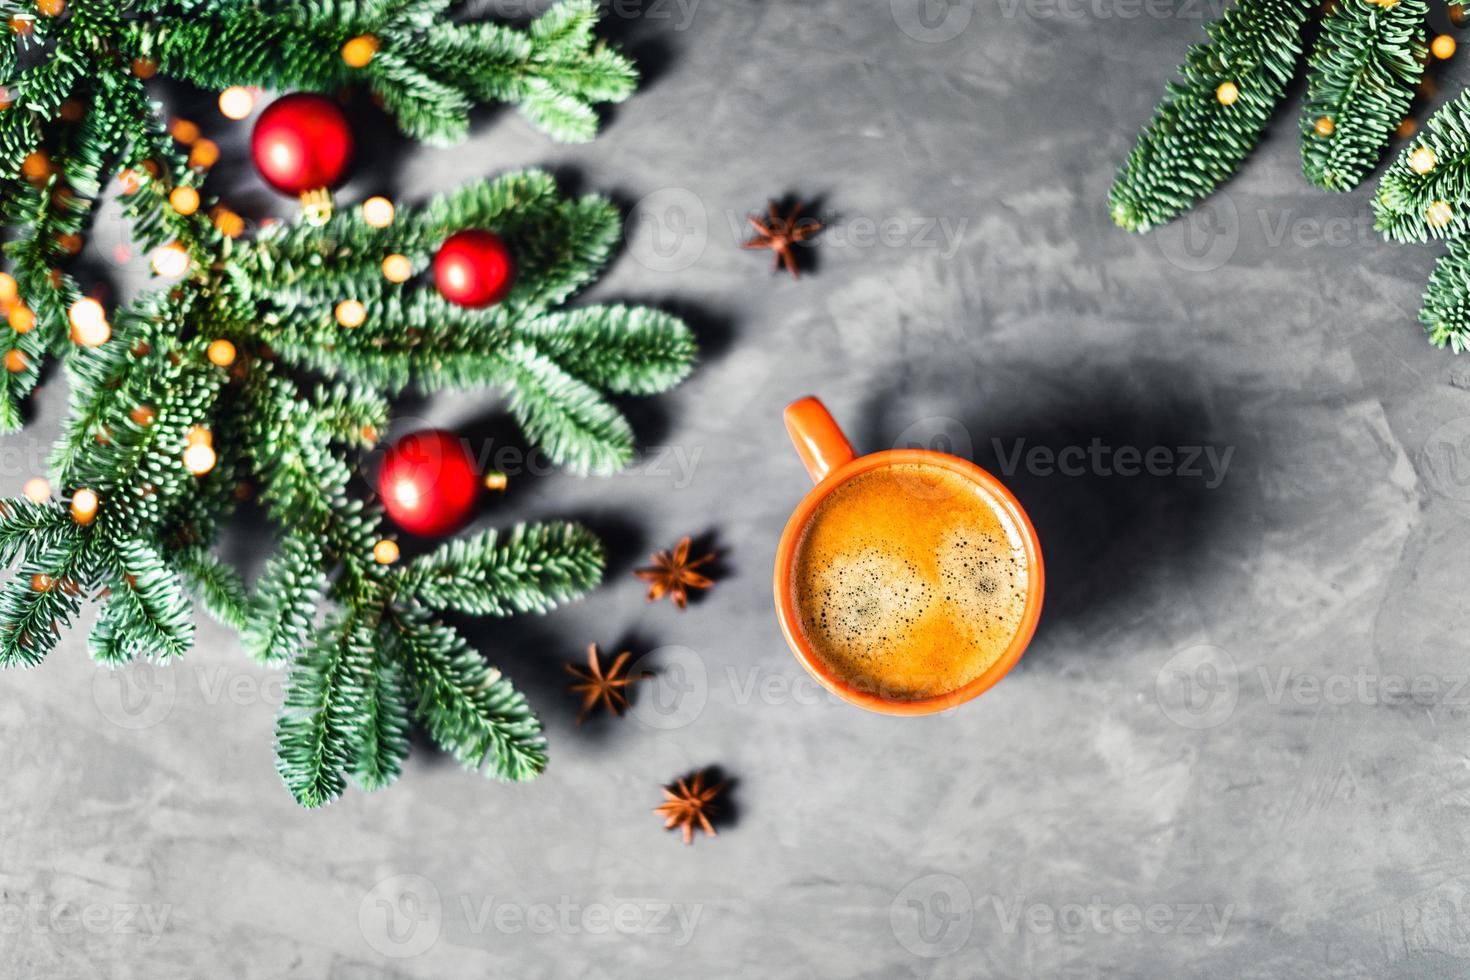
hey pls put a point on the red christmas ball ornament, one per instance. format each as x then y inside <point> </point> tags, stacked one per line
<point>473,268</point>
<point>302,142</point>
<point>428,483</point>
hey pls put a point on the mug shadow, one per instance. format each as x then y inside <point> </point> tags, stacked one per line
<point>1102,526</point>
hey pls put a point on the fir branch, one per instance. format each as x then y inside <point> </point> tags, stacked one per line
<point>31,527</point>
<point>575,425</point>
<point>533,569</point>
<point>469,709</point>
<point>1446,310</point>
<point>1195,141</point>
<point>147,604</point>
<point>42,596</point>
<point>427,74</point>
<point>421,338</point>
<point>139,398</point>
<point>618,349</point>
<point>286,597</point>
<point>380,738</point>
<point>1413,207</point>
<point>107,643</point>
<point>218,585</point>
<point>352,416</point>
<point>1367,61</point>
<point>326,693</point>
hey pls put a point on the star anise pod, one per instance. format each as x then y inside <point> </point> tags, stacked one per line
<point>674,574</point>
<point>688,805</point>
<point>598,687</point>
<point>782,235</point>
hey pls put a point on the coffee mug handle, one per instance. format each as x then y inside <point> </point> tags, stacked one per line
<point>820,444</point>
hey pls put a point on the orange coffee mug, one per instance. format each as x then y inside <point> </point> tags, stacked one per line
<point>830,460</point>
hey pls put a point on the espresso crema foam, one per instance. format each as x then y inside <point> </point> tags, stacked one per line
<point>909,581</point>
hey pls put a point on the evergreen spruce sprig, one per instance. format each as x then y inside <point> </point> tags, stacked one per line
<point>77,108</point>
<point>1446,310</point>
<point>1367,61</point>
<point>242,356</point>
<point>1425,194</point>
<point>1415,206</point>
<point>382,659</point>
<point>425,69</point>
<point>558,368</point>
<point>1199,135</point>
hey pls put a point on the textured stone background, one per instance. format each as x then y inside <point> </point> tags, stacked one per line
<point>1205,766</point>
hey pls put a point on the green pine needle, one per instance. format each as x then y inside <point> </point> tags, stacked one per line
<point>285,421</point>
<point>1195,142</point>
<point>1407,207</point>
<point>468,708</point>
<point>1446,310</point>
<point>427,73</point>
<point>533,569</point>
<point>1367,61</point>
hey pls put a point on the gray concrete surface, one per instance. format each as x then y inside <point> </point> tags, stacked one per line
<point>1237,748</point>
